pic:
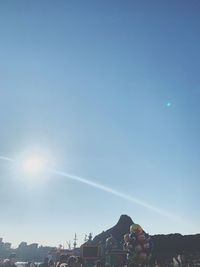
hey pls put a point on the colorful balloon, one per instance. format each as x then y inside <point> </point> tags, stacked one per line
<point>141,238</point>
<point>138,244</point>
<point>136,229</point>
<point>142,256</point>
<point>126,238</point>
<point>138,248</point>
<point>146,246</point>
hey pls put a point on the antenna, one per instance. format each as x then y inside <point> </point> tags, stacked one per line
<point>75,239</point>
<point>69,244</point>
<point>85,239</point>
<point>90,237</point>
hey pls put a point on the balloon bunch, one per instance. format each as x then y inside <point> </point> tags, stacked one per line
<point>138,245</point>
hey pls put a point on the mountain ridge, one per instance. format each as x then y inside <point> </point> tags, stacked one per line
<point>164,244</point>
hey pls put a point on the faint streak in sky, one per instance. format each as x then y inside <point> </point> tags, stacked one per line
<point>119,194</point>
<point>114,192</point>
<point>6,158</point>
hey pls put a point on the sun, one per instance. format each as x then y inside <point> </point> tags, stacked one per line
<point>32,170</point>
<point>34,165</point>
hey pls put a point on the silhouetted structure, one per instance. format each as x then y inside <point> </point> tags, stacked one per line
<point>165,246</point>
<point>118,231</point>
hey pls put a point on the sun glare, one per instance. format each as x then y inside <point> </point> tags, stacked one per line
<point>34,165</point>
<point>31,167</point>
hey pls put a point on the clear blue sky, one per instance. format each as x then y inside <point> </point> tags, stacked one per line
<point>111,90</point>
